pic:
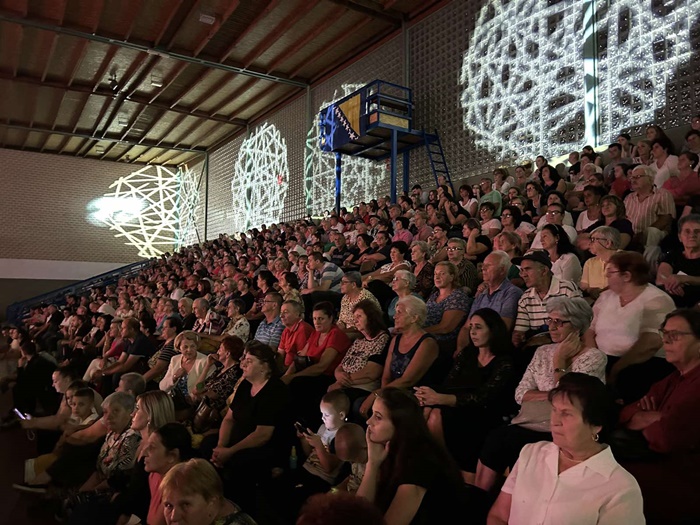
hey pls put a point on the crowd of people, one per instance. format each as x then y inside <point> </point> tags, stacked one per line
<point>508,352</point>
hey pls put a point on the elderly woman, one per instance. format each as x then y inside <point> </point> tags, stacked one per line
<point>679,271</point>
<point>565,263</point>
<point>596,490</point>
<point>438,243</point>
<point>192,492</point>
<point>237,325</point>
<point>280,266</point>
<point>490,225</point>
<point>185,370</point>
<point>447,307</point>
<point>423,269</point>
<point>360,370</point>
<point>289,287</point>
<point>221,373</point>
<point>412,351</point>
<point>478,391</point>
<point>604,243</point>
<point>353,293</point>
<point>687,183</point>
<point>626,324</point>
<point>568,320</point>
<point>403,284</point>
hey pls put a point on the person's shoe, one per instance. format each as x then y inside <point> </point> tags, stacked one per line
<point>30,489</point>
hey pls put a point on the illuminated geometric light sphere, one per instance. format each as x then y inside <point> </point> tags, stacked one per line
<point>261,179</point>
<point>523,78</point>
<point>153,209</point>
<point>360,178</point>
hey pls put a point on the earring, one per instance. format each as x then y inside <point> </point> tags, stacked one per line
<point>596,437</point>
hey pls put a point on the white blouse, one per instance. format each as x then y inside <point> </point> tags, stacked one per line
<point>540,372</point>
<point>597,491</point>
<point>568,268</point>
<point>168,382</point>
<point>618,327</point>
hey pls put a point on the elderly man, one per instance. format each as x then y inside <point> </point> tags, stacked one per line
<point>353,293</point>
<point>651,211</point>
<point>208,321</point>
<point>489,194</point>
<point>296,331</point>
<point>536,271</point>
<point>270,329</point>
<point>184,307</point>
<point>467,275</point>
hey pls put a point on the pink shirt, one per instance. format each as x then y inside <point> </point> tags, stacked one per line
<point>683,189</point>
<point>155,508</point>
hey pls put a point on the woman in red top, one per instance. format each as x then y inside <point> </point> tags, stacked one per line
<point>312,371</point>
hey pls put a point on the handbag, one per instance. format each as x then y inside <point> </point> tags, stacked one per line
<point>302,362</point>
<point>206,417</point>
<point>534,415</point>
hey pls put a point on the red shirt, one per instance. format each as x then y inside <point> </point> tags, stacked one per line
<point>336,339</point>
<point>683,189</point>
<point>678,399</point>
<point>293,340</point>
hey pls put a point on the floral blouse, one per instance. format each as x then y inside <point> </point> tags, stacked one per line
<point>425,280</point>
<point>118,452</point>
<point>222,384</point>
<point>457,300</point>
<point>540,372</point>
<point>239,328</point>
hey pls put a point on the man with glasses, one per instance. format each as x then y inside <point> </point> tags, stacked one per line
<point>541,284</point>
<point>490,194</point>
<point>270,330</point>
<point>467,275</point>
<point>554,215</point>
<point>651,211</point>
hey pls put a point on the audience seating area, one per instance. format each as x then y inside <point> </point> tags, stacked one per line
<point>435,358</point>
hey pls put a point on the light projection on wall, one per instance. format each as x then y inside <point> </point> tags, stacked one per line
<point>361,178</point>
<point>535,69</point>
<point>153,209</point>
<point>261,179</point>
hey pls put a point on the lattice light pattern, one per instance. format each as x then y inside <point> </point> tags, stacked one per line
<point>152,208</point>
<point>523,74</point>
<point>260,180</point>
<point>361,179</point>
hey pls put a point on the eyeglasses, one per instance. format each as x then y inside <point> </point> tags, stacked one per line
<point>673,335</point>
<point>398,279</point>
<point>454,249</point>
<point>554,212</point>
<point>599,239</point>
<point>635,177</point>
<point>558,323</point>
<point>505,215</point>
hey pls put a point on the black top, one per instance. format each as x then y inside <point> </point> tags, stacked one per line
<point>266,408</point>
<point>141,346</point>
<point>679,263</point>
<point>188,322</point>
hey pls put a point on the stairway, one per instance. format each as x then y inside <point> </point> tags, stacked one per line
<point>436,156</point>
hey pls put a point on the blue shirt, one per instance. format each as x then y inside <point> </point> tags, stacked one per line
<point>270,333</point>
<point>504,300</point>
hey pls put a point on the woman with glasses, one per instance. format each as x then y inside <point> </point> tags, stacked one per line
<point>679,271</point>
<point>403,284</point>
<point>568,320</point>
<point>489,224</point>
<point>614,215</point>
<point>626,324</point>
<point>512,221</point>
<point>604,243</point>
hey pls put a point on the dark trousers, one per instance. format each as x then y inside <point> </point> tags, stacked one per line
<point>634,382</point>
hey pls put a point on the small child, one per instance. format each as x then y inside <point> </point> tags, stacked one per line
<point>351,446</point>
<point>321,467</point>
<point>83,412</point>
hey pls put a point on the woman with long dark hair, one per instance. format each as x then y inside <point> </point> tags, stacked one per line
<point>477,393</point>
<point>409,475</point>
<point>565,263</point>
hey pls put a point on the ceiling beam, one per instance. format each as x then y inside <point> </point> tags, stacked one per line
<point>220,21</point>
<point>89,137</point>
<point>25,22</point>
<point>103,92</point>
<point>373,10</point>
<point>271,4</point>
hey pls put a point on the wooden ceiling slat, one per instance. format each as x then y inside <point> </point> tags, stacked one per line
<point>302,8</point>
<point>16,52</point>
<point>134,17</point>
<point>271,4</point>
<point>217,25</point>
<point>369,8</point>
<point>333,45</point>
<point>245,87</point>
<point>305,39</point>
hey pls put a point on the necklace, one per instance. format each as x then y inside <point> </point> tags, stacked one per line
<point>561,453</point>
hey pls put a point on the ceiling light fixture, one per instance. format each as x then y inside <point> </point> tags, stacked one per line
<point>113,84</point>
<point>156,80</point>
<point>207,19</point>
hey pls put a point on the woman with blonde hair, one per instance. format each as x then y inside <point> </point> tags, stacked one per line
<point>185,368</point>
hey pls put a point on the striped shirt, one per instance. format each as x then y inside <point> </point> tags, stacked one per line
<point>643,213</point>
<point>532,310</point>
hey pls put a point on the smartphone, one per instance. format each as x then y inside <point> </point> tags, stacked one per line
<point>20,415</point>
<point>301,428</point>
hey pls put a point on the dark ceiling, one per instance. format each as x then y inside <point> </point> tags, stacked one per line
<point>134,80</point>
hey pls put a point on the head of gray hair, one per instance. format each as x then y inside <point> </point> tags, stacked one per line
<point>414,307</point>
<point>502,258</point>
<point>422,246</point>
<point>122,399</point>
<point>573,309</point>
<point>201,302</point>
<point>354,277</point>
<point>612,235</point>
<point>134,382</point>
<point>409,276</point>
<point>295,305</point>
<point>644,171</point>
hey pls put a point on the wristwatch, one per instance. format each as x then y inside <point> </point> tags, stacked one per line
<point>561,370</point>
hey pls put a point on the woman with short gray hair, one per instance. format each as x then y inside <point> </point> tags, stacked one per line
<point>568,320</point>
<point>403,284</point>
<point>423,269</point>
<point>604,242</point>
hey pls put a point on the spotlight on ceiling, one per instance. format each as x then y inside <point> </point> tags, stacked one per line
<point>113,84</point>
<point>207,19</point>
<point>156,80</point>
